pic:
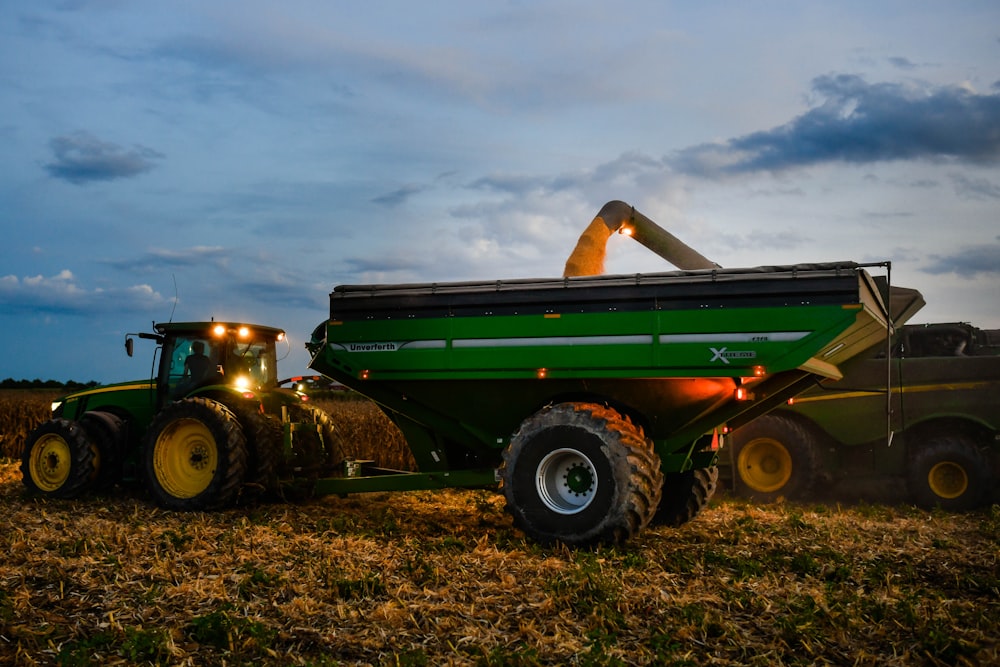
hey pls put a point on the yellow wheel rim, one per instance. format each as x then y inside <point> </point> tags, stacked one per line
<point>185,458</point>
<point>765,465</point>
<point>50,462</point>
<point>948,480</point>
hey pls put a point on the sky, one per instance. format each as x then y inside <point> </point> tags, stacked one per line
<point>237,160</point>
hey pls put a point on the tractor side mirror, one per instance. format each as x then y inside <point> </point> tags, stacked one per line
<point>129,343</point>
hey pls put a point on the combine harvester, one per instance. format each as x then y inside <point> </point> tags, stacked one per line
<point>596,401</point>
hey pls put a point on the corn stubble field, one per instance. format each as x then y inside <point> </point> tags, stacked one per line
<point>431,578</point>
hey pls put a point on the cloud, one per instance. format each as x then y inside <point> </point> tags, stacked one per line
<point>61,293</point>
<point>398,196</point>
<point>156,259</point>
<point>975,188</point>
<point>81,158</point>
<point>862,123</point>
<point>968,262</point>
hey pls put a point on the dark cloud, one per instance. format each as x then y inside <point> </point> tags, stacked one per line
<point>969,261</point>
<point>398,196</point>
<point>82,158</point>
<point>861,123</point>
<point>975,188</point>
<point>158,259</point>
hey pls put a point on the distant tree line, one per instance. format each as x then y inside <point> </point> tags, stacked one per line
<point>11,383</point>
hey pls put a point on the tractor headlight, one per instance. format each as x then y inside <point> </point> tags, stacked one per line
<point>242,382</point>
<point>56,406</point>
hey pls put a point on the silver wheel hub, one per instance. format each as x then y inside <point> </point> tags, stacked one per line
<point>566,481</point>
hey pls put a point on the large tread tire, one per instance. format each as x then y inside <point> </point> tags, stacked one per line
<point>316,451</point>
<point>194,456</point>
<point>685,495</point>
<point>264,451</point>
<point>775,457</point>
<point>59,460</point>
<point>948,471</point>
<point>580,474</point>
<point>107,432</point>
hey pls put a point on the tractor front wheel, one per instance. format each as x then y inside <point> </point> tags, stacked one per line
<point>580,474</point>
<point>59,460</point>
<point>194,456</point>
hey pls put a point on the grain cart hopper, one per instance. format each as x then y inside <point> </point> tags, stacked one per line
<point>594,400</point>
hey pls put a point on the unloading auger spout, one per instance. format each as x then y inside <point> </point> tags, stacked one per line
<point>587,258</point>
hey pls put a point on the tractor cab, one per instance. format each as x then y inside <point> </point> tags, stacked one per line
<point>236,356</point>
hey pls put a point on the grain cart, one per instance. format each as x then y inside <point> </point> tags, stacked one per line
<point>213,424</point>
<point>595,401</point>
<point>929,419</point>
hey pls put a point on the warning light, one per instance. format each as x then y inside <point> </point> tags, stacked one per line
<point>541,373</point>
<point>244,332</point>
<point>741,394</point>
<point>625,230</point>
<point>759,371</point>
<point>219,330</point>
<point>363,375</point>
<point>791,401</point>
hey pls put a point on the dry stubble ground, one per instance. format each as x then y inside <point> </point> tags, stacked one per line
<point>430,578</point>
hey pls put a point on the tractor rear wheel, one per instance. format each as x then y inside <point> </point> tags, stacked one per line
<point>580,474</point>
<point>775,457</point>
<point>194,456</point>
<point>948,471</point>
<point>106,431</point>
<point>685,494</point>
<point>59,460</point>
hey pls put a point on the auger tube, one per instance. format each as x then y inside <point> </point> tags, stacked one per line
<point>617,216</point>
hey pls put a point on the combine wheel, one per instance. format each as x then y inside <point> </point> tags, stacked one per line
<point>685,494</point>
<point>580,474</point>
<point>775,457</point>
<point>107,432</point>
<point>59,460</point>
<point>948,471</point>
<point>195,456</point>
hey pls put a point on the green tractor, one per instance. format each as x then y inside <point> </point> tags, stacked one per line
<point>213,426</point>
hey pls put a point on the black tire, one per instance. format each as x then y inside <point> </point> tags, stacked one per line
<point>580,474</point>
<point>107,432</point>
<point>194,456</point>
<point>685,494</point>
<point>775,457</point>
<point>316,447</point>
<point>264,450</point>
<point>948,471</point>
<point>59,460</point>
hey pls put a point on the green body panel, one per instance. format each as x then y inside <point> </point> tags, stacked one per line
<point>459,366</point>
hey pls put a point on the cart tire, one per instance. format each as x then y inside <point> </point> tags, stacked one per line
<point>685,494</point>
<point>580,474</point>
<point>775,457</point>
<point>948,471</point>
<point>59,460</point>
<point>107,432</point>
<point>194,456</point>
